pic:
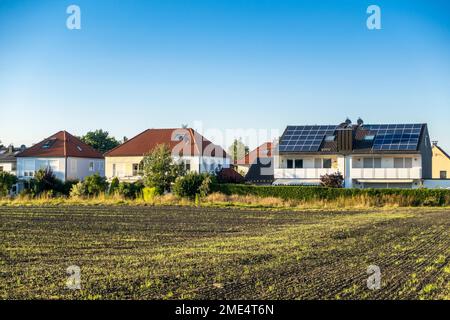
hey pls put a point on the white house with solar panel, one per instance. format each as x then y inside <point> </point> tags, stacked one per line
<point>367,155</point>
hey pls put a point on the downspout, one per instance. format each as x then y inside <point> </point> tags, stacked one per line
<point>65,158</point>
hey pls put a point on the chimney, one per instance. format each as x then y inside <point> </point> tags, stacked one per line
<point>344,139</point>
<point>10,148</point>
<point>435,143</point>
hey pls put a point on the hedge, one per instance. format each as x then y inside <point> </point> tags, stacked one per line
<point>413,197</point>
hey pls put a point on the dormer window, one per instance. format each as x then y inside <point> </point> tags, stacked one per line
<point>48,143</point>
<point>180,137</point>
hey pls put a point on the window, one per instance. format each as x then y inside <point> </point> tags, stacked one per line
<point>187,165</point>
<point>443,175</point>
<point>91,166</point>
<point>369,138</point>
<point>327,163</point>
<point>290,163</point>
<point>298,163</point>
<point>329,138</point>
<point>398,163</point>
<point>114,170</point>
<point>377,162</point>
<point>318,163</point>
<point>368,163</point>
<point>1,169</point>
<point>408,163</point>
<point>371,163</point>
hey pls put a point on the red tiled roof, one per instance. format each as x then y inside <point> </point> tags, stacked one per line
<point>61,144</point>
<point>263,151</point>
<point>181,141</point>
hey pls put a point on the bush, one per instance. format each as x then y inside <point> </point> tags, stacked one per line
<point>130,190</point>
<point>114,186</point>
<point>403,197</point>
<point>149,193</point>
<point>188,185</point>
<point>193,183</point>
<point>95,185</point>
<point>78,190</point>
<point>7,181</point>
<point>334,180</point>
<point>45,182</point>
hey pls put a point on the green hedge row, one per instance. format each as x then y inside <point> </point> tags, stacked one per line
<point>412,197</point>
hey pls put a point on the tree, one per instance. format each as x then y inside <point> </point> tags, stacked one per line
<point>238,149</point>
<point>159,169</point>
<point>45,181</point>
<point>100,140</point>
<point>7,181</point>
<point>334,180</point>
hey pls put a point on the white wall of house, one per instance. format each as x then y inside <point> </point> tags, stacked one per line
<point>26,167</point>
<point>77,168</point>
<point>406,167</point>
<point>80,168</point>
<point>9,167</point>
<point>122,167</point>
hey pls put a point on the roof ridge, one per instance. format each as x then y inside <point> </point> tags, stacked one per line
<point>126,142</point>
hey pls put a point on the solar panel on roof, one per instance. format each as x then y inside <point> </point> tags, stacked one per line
<point>395,137</point>
<point>304,138</point>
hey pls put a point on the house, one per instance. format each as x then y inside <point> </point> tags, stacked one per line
<point>8,161</point>
<point>441,163</point>
<point>189,147</point>
<point>367,155</point>
<point>67,156</point>
<point>257,165</point>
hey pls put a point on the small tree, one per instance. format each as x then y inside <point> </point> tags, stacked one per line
<point>114,185</point>
<point>45,181</point>
<point>238,149</point>
<point>334,180</point>
<point>159,169</point>
<point>7,181</point>
<point>100,140</point>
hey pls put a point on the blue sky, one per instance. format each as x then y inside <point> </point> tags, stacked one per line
<point>230,64</point>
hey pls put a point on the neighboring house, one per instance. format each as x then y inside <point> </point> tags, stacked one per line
<point>441,163</point>
<point>368,156</point>
<point>189,147</point>
<point>8,161</point>
<point>67,156</point>
<point>257,165</point>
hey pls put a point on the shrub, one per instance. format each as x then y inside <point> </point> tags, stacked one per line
<point>206,185</point>
<point>130,190</point>
<point>334,180</point>
<point>149,193</point>
<point>7,181</point>
<point>193,183</point>
<point>78,190</point>
<point>45,181</point>
<point>114,185</point>
<point>95,185</point>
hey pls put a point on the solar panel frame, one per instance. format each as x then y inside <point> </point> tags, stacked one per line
<point>304,138</point>
<point>395,137</point>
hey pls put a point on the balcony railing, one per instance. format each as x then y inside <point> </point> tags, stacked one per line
<point>308,173</point>
<point>386,173</point>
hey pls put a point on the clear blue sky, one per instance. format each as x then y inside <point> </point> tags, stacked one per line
<point>231,64</point>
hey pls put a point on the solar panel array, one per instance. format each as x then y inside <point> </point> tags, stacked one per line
<point>304,138</point>
<point>397,137</point>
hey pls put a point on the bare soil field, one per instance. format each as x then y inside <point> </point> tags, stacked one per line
<point>206,253</point>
